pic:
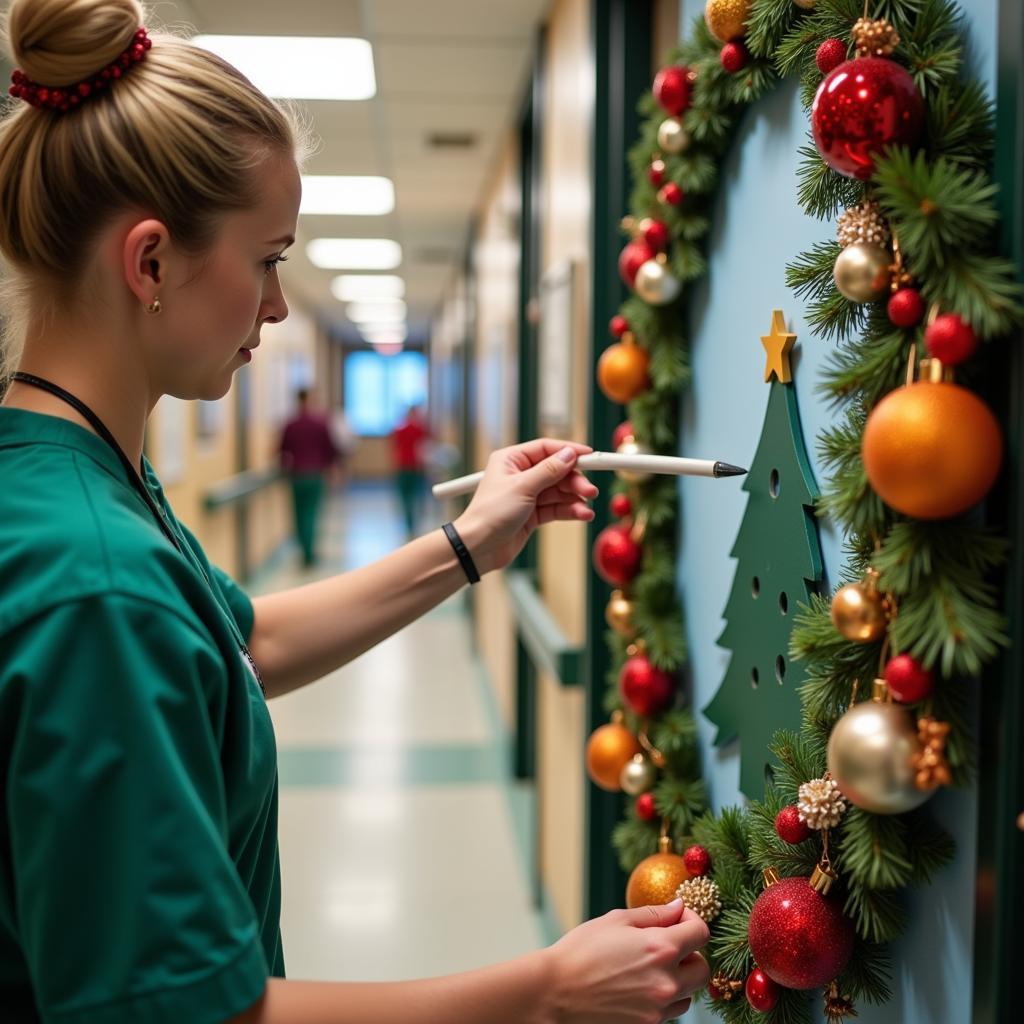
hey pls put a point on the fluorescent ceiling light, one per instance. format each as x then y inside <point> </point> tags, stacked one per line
<point>354,253</point>
<point>389,329</point>
<point>384,337</point>
<point>387,348</point>
<point>386,312</point>
<point>363,287</point>
<point>300,67</point>
<point>351,194</point>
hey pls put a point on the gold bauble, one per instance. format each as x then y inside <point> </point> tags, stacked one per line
<point>622,372</point>
<point>807,5</point>
<point>633,476</point>
<point>609,749</point>
<point>672,136</point>
<point>655,283</point>
<point>858,612</point>
<point>931,450</point>
<point>638,776</point>
<point>655,879</point>
<point>619,614</point>
<point>871,754</point>
<point>727,19</point>
<point>862,272</point>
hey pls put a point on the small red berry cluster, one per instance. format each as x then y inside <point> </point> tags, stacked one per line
<point>63,98</point>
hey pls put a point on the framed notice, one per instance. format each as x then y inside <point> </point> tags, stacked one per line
<point>555,343</point>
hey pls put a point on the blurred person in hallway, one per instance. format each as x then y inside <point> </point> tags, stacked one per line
<point>408,442</point>
<point>141,230</point>
<point>308,453</point>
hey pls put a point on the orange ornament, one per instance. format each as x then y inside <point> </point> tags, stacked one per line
<point>622,371</point>
<point>655,879</point>
<point>931,450</point>
<point>609,749</point>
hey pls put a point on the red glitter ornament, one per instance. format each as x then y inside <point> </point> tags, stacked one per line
<point>950,339</point>
<point>762,992</point>
<point>798,937</point>
<point>672,89</point>
<point>906,308</point>
<point>645,809</point>
<point>790,827</point>
<point>620,506</point>
<point>830,55</point>
<point>697,861</point>
<point>656,172</point>
<point>616,555</point>
<point>909,681</point>
<point>621,434</point>
<point>646,689</point>
<point>656,233</point>
<point>734,56</point>
<point>862,107</point>
<point>670,194</point>
<point>632,258</point>
<point>618,325</point>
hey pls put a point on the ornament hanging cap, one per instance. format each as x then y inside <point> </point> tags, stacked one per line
<point>875,38</point>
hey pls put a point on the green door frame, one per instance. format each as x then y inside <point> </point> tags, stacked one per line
<point>999,917</point>
<point>621,39</point>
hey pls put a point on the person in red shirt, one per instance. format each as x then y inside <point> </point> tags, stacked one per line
<point>307,452</point>
<point>408,440</point>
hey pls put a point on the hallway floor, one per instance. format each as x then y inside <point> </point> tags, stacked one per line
<point>403,840</point>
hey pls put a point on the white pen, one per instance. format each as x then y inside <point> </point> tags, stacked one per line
<point>666,464</point>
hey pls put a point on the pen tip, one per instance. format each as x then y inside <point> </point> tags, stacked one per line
<point>727,469</point>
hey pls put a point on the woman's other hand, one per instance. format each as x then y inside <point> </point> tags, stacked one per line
<point>524,486</point>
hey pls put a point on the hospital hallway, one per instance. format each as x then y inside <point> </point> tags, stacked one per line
<point>404,843</point>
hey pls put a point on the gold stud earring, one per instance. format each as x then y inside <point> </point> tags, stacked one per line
<point>154,307</point>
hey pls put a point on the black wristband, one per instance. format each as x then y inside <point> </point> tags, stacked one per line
<point>462,553</point>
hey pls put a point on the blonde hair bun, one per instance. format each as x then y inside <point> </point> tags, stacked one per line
<point>59,42</point>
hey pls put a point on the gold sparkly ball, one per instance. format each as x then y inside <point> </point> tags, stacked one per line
<point>858,612</point>
<point>672,136</point>
<point>609,749</point>
<point>862,272</point>
<point>807,5</point>
<point>727,19</point>
<point>633,476</point>
<point>871,754</point>
<point>619,614</point>
<point>655,880</point>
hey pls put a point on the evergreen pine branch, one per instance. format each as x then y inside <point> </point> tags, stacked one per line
<point>682,801</point>
<point>870,368</point>
<point>931,850</point>
<point>798,759</point>
<point>633,840</point>
<point>876,914</point>
<point>822,193</point>
<point>729,945</point>
<point>752,82</point>
<point>873,850</point>
<point>769,22</point>
<point>960,126</point>
<point>829,313</point>
<point>868,975</point>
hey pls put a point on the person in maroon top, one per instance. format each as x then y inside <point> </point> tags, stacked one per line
<point>307,453</point>
<point>407,440</point>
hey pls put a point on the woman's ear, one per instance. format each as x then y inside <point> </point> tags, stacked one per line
<point>146,250</point>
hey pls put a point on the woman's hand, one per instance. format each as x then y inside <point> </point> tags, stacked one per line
<point>629,967</point>
<point>523,487</point>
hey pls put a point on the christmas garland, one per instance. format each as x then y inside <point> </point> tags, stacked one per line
<point>911,275</point>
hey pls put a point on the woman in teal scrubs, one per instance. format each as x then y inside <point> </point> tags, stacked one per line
<point>147,194</point>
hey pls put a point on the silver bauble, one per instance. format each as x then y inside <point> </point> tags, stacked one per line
<point>862,272</point>
<point>656,284</point>
<point>638,776</point>
<point>672,136</point>
<point>871,755</point>
<point>633,476</point>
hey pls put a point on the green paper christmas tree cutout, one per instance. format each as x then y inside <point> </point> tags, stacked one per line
<point>778,566</point>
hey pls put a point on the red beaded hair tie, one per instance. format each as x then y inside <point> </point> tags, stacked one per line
<point>64,97</point>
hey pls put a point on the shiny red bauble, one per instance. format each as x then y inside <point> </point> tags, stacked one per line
<point>830,55</point>
<point>906,307</point>
<point>620,506</point>
<point>909,681</point>
<point>645,809</point>
<point>950,339</point>
<point>656,172</point>
<point>798,937</point>
<point>616,555</point>
<point>734,56</point>
<point>862,107</point>
<point>622,433</point>
<point>618,325</point>
<point>646,689</point>
<point>632,258</point>
<point>672,89</point>
<point>656,233</point>
<point>790,827</point>
<point>762,993</point>
<point>670,194</point>
<point>697,861</point>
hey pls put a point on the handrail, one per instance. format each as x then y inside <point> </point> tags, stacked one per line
<point>542,637</point>
<point>233,489</point>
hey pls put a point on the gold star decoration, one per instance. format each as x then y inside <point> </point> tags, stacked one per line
<point>778,345</point>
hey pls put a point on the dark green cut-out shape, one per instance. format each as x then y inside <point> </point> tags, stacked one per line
<point>778,567</point>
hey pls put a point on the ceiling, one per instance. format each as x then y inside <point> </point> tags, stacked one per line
<point>442,66</point>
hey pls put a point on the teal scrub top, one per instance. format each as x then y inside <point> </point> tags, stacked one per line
<point>139,874</point>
